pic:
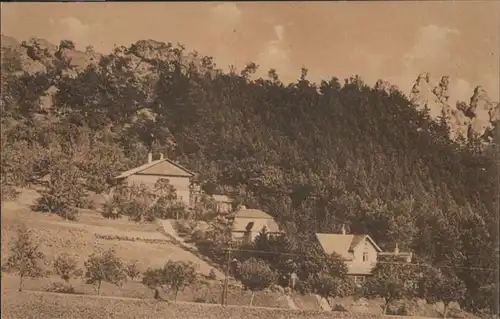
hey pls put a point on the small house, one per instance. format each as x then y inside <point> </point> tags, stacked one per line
<point>248,223</point>
<point>359,252</point>
<point>150,172</point>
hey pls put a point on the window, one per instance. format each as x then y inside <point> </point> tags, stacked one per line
<point>359,279</point>
<point>365,257</point>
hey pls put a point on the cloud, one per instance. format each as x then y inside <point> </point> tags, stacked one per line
<point>280,32</point>
<point>491,83</point>
<point>275,54</point>
<point>70,28</point>
<point>432,43</point>
<point>227,12</point>
<point>459,90</point>
<point>431,46</point>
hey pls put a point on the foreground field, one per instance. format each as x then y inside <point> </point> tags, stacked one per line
<point>27,305</point>
<point>203,292</point>
<point>92,233</point>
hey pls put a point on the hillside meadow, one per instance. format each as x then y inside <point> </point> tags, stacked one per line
<point>27,305</point>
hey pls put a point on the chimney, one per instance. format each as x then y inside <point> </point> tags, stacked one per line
<point>396,249</point>
<point>343,229</point>
<point>161,156</point>
<point>150,157</point>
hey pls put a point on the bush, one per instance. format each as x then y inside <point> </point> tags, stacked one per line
<point>111,209</point>
<point>61,287</point>
<point>212,275</point>
<point>8,192</point>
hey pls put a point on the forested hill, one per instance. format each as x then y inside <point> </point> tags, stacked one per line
<point>313,155</point>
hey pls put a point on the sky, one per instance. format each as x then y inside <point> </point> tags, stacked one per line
<point>394,41</point>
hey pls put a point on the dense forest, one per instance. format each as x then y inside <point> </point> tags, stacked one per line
<point>314,155</point>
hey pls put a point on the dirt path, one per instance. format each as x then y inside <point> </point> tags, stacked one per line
<point>170,232</point>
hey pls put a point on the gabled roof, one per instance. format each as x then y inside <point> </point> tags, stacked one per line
<point>183,171</point>
<point>256,218</point>
<point>343,244</point>
<point>252,213</point>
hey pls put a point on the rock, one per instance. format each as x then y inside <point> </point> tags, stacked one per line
<point>441,90</point>
<point>481,110</point>
<point>464,121</point>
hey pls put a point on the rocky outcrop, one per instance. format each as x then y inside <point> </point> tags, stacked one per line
<point>143,60</point>
<point>466,121</point>
<point>423,96</point>
<point>482,111</point>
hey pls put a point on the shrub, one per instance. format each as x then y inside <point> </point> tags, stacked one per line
<point>212,275</point>
<point>60,287</point>
<point>112,208</point>
<point>8,192</point>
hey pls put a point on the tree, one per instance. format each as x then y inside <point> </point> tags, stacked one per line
<point>135,201</point>
<point>437,285</point>
<point>104,267</point>
<point>24,257</point>
<point>391,281</point>
<point>256,275</point>
<point>153,278</point>
<point>175,275</point>
<point>313,261</point>
<point>132,270</point>
<point>277,250</point>
<point>66,266</point>
<point>65,192</point>
<point>327,285</point>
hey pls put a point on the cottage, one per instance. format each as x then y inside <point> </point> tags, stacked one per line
<point>149,173</point>
<point>359,252</point>
<point>223,203</point>
<point>248,223</point>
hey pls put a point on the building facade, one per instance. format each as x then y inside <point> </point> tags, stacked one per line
<point>163,168</point>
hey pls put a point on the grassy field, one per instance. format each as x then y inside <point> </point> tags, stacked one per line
<point>87,235</point>
<point>27,305</point>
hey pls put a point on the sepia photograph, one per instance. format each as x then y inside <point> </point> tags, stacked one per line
<point>250,160</point>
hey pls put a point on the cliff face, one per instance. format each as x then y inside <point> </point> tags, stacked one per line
<point>475,119</point>
<point>140,62</point>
